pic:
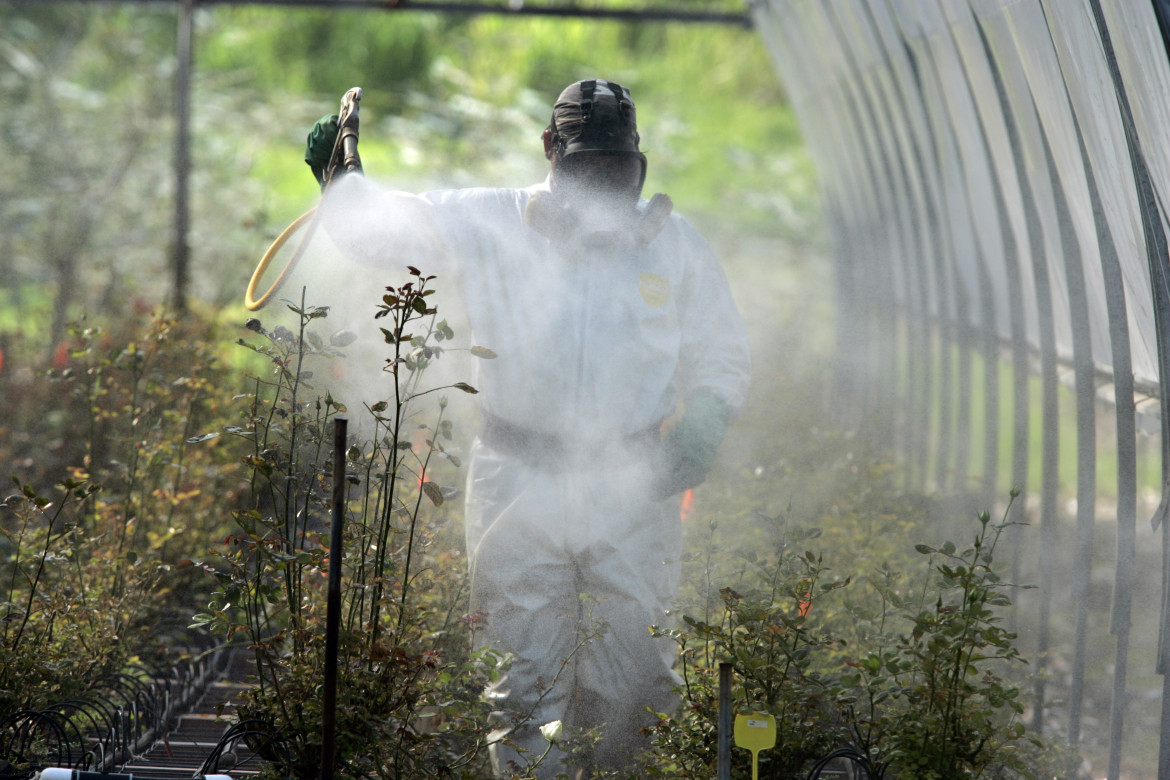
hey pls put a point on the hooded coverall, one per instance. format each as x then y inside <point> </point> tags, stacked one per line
<point>573,558</point>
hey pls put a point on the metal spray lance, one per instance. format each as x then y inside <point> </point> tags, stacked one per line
<point>344,159</point>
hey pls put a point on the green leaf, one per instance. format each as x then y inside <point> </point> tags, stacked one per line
<point>434,493</point>
<point>483,352</point>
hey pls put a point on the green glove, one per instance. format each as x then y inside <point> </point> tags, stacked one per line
<point>319,145</point>
<point>689,449</point>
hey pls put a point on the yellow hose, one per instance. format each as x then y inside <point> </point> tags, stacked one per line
<point>250,300</point>
<point>347,128</point>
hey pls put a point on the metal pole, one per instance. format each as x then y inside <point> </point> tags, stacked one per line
<point>723,754</point>
<point>1021,413</point>
<point>180,251</point>
<point>1124,411</point>
<point>333,602</point>
<point>1156,250</point>
<point>664,14</point>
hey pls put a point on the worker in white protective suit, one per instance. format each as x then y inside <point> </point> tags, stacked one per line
<point>606,311</point>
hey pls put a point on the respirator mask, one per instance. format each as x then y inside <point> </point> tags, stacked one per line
<point>598,173</point>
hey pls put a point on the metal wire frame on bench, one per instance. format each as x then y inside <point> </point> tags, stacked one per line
<point>126,713</point>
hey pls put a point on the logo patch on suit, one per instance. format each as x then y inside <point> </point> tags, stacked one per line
<point>655,290</point>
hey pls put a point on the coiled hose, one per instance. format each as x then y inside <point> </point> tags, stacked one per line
<point>344,158</point>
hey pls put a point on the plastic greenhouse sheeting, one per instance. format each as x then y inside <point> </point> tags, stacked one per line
<point>995,176</point>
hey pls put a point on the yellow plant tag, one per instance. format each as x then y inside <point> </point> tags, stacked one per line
<point>755,731</point>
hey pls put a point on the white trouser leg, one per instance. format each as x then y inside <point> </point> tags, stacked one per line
<point>538,540</point>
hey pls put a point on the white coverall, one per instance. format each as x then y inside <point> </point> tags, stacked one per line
<point>594,351</point>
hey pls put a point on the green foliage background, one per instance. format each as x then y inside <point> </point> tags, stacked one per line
<point>87,132</point>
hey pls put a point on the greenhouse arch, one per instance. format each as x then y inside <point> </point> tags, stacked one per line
<point>995,175</point>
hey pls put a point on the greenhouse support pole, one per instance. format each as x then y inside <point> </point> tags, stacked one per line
<point>1125,439</point>
<point>723,749</point>
<point>1156,250</point>
<point>1162,9</point>
<point>333,602</point>
<point>180,250</point>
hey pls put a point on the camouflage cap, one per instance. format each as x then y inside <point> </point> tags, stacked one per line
<point>595,115</point>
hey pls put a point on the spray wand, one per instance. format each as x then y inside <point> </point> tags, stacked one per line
<point>345,154</point>
<point>345,159</point>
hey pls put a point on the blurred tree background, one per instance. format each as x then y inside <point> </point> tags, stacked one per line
<point>88,133</point>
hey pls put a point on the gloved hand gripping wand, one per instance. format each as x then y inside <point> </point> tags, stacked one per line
<point>345,159</point>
